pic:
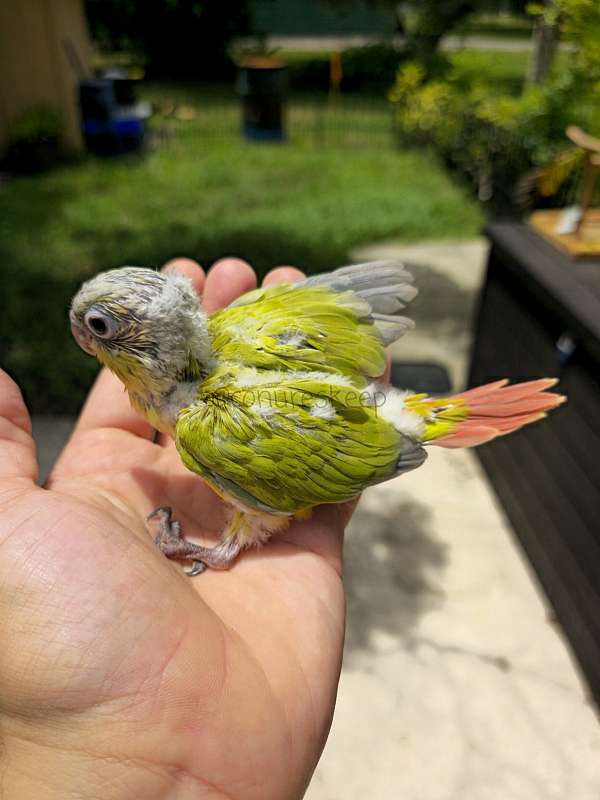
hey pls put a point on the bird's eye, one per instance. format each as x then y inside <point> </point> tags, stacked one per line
<point>100,324</point>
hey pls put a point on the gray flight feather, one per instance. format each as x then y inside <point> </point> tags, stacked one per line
<point>411,457</point>
<point>235,490</point>
<point>385,285</point>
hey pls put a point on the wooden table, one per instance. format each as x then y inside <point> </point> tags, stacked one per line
<point>548,476</point>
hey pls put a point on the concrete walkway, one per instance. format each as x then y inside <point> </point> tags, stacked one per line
<point>455,685</point>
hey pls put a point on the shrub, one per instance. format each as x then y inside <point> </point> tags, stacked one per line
<point>39,123</point>
<point>492,139</point>
<point>369,68</point>
<point>33,140</point>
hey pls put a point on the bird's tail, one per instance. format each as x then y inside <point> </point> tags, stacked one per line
<point>479,415</point>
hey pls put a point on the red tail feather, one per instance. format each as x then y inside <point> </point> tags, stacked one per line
<point>497,409</point>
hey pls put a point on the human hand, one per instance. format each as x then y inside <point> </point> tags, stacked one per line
<point>119,676</point>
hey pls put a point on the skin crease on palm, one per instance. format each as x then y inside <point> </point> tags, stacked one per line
<point>119,676</point>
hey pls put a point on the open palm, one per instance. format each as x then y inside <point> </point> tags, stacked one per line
<point>119,675</point>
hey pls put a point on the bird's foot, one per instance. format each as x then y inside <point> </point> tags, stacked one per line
<point>171,542</point>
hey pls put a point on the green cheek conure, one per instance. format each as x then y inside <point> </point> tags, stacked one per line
<point>274,401</point>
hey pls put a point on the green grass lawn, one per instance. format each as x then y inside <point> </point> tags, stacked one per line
<point>269,204</point>
<point>504,69</point>
<point>196,113</point>
<point>497,26</point>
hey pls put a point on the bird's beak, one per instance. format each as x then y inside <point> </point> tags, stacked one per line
<point>83,337</point>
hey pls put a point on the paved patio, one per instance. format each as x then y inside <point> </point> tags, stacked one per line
<point>456,684</point>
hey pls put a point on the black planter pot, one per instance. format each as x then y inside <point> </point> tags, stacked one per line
<point>262,85</point>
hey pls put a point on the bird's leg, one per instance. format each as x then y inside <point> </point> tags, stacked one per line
<point>172,543</point>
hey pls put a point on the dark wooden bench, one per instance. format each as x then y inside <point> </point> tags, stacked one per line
<point>539,316</point>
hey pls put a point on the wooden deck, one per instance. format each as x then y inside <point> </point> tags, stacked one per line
<point>548,476</point>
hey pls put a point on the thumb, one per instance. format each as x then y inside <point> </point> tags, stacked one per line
<point>17,448</point>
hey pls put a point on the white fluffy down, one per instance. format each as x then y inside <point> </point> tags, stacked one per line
<point>176,311</point>
<point>322,409</point>
<point>250,376</point>
<point>390,404</point>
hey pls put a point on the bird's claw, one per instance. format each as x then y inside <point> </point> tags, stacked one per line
<point>197,568</point>
<point>162,512</point>
<point>171,542</point>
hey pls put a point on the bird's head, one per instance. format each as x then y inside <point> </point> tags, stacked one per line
<point>146,326</point>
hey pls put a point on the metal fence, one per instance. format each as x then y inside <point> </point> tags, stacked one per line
<point>200,115</point>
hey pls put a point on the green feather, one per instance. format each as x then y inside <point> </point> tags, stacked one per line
<point>330,332</point>
<point>284,456</point>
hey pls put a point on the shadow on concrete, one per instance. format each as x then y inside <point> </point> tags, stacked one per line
<point>393,565</point>
<point>441,301</point>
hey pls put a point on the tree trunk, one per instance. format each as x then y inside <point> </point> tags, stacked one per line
<point>545,42</point>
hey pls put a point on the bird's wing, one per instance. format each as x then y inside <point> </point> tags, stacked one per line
<point>290,445</point>
<point>338,322</point>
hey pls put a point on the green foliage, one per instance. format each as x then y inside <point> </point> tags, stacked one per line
<point>431,20</point>
<point>178,38</point>
<point>33,141</point>
<point>37,124</point>
<point>579,22</point>
<point>552,175</point>
<point>268,204</point>
<point>370,68</point>
<point>504,70</point>
<point>493,137</point>
<point>512,25</point>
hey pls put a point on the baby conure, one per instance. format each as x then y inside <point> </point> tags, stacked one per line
<point>275,400</point>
